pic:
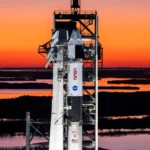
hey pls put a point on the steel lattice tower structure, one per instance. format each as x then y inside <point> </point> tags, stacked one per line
<point>84,23</point>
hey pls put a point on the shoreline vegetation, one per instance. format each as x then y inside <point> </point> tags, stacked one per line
<point>36,148</point>
<point>117,132</point>
<point>17,79</point>
<point>110,104</point>
<point>131,81</point>
<point>113,127</point>
<point>123,133</point>
<point>103,72</point>
<point>4,85</point>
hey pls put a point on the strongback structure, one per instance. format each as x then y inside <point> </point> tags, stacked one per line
<point>75,54</point>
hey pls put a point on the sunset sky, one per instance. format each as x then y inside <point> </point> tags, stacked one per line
<point>124,30</point>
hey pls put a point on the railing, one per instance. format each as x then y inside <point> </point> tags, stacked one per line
<point>81,12</point>
<point>45,47</point>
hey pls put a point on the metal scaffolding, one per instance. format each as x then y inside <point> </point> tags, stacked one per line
<point>87,24</point>
<point>34,128</point>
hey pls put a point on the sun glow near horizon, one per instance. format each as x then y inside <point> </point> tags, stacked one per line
<point>124,30</point>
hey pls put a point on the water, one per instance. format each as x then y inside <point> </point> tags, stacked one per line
<point>127,142</point>
<point>18,141</point>
<point>119,142</point>
<point>13,93</point>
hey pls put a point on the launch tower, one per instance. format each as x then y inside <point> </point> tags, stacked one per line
<point>75,54</point>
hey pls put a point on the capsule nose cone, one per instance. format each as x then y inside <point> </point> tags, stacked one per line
<point>75,38</point>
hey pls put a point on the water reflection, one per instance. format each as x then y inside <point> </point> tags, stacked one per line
<point>126,117</point>
<point>14,93</point>
<point>119,142</point>
<point>11,93</point>
<point>143,87</point>
<point>9,141</point>
<point>127,142</point>
<point>37,81</point>
<point>121,132</point>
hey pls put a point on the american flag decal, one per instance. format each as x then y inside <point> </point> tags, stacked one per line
<point>74,140</point>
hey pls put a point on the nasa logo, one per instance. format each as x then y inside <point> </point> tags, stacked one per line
<point>75,74</point>
<point>75,88</point>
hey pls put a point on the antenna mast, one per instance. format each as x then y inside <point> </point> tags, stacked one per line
<point>75,6</point>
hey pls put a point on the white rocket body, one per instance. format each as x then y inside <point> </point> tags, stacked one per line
<point>75,136</point>
<point>75,114</point>
<point>56,127</point>
<point>74,90</point>
<point>75,79</point>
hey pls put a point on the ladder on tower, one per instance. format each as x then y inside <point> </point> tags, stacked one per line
<point>89,116</point>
